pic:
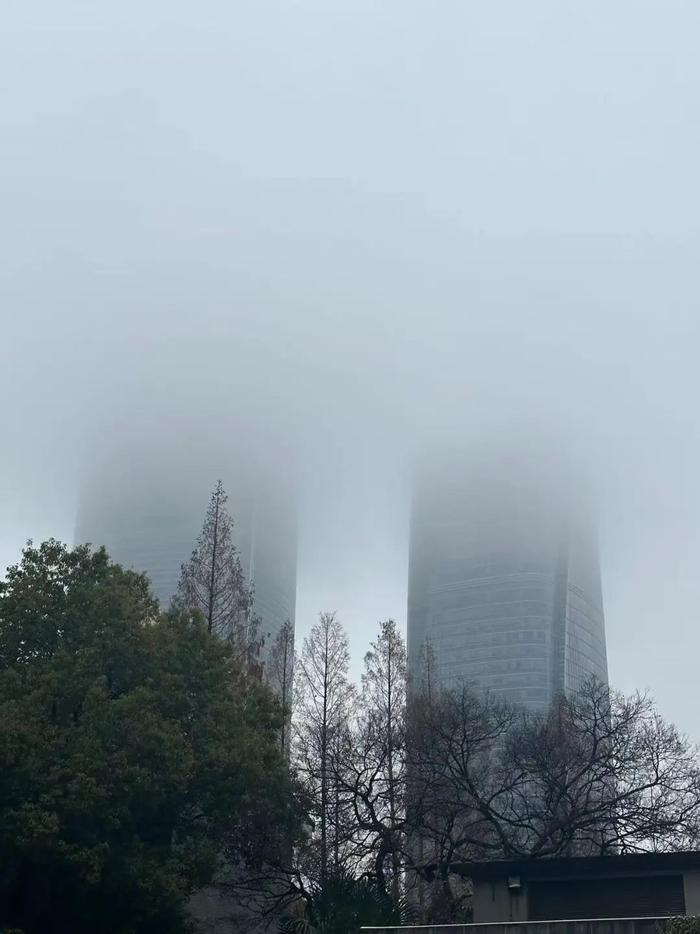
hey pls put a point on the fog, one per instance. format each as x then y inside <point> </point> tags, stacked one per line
<point>346,232</point>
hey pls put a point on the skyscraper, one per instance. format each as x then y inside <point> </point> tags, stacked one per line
<point>504,578</point>
<point>148,509</point>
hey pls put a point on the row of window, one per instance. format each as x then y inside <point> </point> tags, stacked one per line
<point>496,665</point>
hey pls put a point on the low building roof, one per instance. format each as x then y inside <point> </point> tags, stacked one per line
<point>558,867</point>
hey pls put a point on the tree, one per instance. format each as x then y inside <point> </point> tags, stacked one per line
<point>280,676</point>
<point>373,773</point>
<point>131,749</point>
<point>324,703</point>
<point>453,768</point>
<point>297,880</point>
<point>598,773</point>
<point>213,582</point>
<point>607,774</point>
<point>345,906</point>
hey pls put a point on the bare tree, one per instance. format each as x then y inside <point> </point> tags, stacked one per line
<point>279,669</point>
<point>213,582</point>
<point>324,700</point>
<point>605,773</point>
<point>454,738</point>
<point>399,790</point>
<point>599,772</point>
<point>373,774</point>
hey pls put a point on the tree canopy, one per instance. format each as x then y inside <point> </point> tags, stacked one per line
<point>130,752</point>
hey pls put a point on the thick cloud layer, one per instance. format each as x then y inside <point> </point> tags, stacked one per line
<point>350,231</point>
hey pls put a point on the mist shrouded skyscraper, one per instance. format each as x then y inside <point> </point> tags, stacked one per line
<point>504,577</point>
<point>146,504</point>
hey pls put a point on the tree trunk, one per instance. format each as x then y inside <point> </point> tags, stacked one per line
<point>324,767</point>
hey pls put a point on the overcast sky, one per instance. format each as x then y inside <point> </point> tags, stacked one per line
<point>368,226</point>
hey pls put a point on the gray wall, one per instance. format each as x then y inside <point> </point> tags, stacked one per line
<point>691,889</point>
<point>494,901</point>
<point>620,926</point>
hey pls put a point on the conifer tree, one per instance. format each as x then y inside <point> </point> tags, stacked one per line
<point>323,709</point>
<point>214,583</point>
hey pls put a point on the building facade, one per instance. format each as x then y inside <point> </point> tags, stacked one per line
<point>148,516</point>
<point>504,578</point>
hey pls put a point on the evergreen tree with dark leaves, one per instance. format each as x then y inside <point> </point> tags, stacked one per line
<point>133,750</point>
